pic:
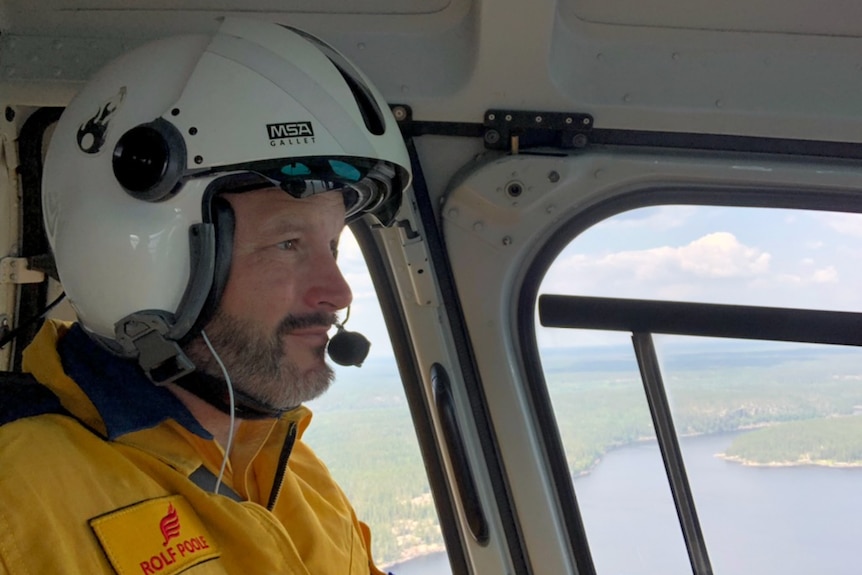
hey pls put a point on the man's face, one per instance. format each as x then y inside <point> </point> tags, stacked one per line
<point>283,290</point>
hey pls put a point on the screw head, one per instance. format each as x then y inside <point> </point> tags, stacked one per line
<point>492,137</point>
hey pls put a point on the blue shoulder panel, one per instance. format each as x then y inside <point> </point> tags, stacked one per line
<point>22,396</point>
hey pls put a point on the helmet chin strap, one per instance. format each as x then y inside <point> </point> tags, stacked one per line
<point>213,391</point>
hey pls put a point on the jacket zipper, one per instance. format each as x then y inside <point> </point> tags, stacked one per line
<point>278,481</point>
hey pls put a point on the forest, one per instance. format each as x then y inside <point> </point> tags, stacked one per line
<point>799,404</point>
<point>830,441</point>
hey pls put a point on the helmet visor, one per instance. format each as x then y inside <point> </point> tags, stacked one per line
<point>365,183</point>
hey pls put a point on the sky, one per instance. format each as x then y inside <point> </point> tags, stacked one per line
<point>745,256</point>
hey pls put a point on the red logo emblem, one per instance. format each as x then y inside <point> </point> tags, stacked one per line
<point>170,525</point>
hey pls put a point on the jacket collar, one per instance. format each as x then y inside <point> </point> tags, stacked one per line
<point>126,400</point>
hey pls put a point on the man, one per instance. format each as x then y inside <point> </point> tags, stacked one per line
<point>193,194</point>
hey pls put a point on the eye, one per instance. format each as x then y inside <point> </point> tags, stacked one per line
<point>287,245</point>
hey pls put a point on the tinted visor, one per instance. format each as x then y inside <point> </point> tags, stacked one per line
<point>365,183</point>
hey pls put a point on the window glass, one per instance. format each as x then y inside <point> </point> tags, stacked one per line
<point>362,430</point>
<point>770,432</point>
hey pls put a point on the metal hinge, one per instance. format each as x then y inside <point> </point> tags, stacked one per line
<point>17,271</point>
<point>512,130</point>
<point>412,270</point>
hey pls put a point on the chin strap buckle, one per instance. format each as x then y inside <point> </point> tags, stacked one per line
<point>142,334</point>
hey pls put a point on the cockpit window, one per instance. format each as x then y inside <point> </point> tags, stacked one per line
<point>735,441</point>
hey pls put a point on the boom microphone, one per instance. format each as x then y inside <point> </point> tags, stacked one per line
<point>348,347</point>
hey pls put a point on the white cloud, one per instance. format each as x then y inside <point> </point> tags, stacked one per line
<point>720,255</point>
<point>717,255</point>
<point>843,223</point>
<point>826,275</point>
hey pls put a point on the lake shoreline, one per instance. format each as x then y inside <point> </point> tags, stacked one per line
<point>803,462</point>
<point>798,463</point>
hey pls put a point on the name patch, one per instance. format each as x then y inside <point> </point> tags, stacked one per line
<point>156,537</point>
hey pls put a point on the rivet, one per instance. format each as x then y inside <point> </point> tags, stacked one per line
<point>507,241</point>
<point>478,226</point>
<point>514,189</point>
<point>199,159</point>
<point>554,176</point>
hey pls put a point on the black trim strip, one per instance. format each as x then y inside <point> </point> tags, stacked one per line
<point>34,242</point>
<point>206,480</point>
<point>671,454</point>
<point>710,320</point>
<point>645,138</point>
<point>411,128</point>
<point>726,142</point>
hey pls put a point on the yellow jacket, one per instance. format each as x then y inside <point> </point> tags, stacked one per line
<point>94,494</point>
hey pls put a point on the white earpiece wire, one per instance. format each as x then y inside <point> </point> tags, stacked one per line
<point>232,410</point>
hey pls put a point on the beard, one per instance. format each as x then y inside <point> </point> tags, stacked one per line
<point>257,363</point>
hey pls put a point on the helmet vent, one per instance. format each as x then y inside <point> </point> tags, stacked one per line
<point>367,106</point>
<point>365,100</point>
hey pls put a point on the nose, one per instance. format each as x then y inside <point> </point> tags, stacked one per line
<point>328,289</point>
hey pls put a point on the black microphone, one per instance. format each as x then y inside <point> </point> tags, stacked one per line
<point>348,347</point>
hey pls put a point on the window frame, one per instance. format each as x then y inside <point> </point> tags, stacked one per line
<point>648,319</point>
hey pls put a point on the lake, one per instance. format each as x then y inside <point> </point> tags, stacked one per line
<point>765,521</point>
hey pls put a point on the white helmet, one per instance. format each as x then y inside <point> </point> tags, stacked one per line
<point>137,161</point>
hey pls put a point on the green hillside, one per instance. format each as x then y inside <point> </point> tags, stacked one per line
<point>363,431</point>
<point>833,441</point>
